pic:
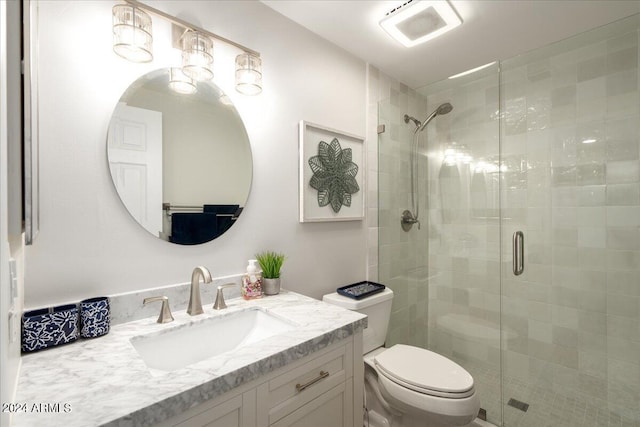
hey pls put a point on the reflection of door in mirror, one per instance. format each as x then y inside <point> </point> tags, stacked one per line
<point>135,161</point>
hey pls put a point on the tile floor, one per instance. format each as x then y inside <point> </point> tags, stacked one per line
<point>546,408</point>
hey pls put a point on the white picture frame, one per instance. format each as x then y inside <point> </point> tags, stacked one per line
<point>310,137</point>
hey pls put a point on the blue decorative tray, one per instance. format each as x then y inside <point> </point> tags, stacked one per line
<point>360,290</point>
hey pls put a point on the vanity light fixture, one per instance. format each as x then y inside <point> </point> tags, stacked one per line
<point>196,44</point>
<point>132,37</point>
<point>197,55</point>
<point>248,74</point>
<point>181,83</point>
<point>416,21</point>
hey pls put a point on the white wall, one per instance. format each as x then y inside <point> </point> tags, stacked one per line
<point>206,155</point>
<point>11,245</point>
<point>88,244</point>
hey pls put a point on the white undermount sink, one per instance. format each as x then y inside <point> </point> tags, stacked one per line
<point>187,344</point>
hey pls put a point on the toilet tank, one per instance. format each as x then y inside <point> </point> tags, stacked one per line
<point>377,307</point>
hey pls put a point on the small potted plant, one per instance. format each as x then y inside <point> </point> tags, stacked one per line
<point>270,263</point>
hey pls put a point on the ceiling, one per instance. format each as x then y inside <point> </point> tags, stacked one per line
<point>491,30</point>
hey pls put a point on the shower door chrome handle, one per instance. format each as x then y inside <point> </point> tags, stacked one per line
<point>518,253</point>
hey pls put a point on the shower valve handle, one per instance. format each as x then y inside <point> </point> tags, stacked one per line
<point>408,219</point>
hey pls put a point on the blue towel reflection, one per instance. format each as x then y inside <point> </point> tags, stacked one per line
<point>221,209</point>
<point>193,228</point>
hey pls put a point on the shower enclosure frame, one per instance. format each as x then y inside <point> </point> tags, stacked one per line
<point>568,245</point>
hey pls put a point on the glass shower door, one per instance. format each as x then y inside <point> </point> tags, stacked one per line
<point>445,273</point>
<point>463,179</point>
<point>402,256</point>
<point>571,184</point>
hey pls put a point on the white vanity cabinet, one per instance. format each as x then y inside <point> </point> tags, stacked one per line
<point>332,408</point>
<point>317,390</point>
<point>222,412</point>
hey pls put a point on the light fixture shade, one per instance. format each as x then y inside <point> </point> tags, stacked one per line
<point>197,56</point>
<point>180,83</point>
<point>132,38</point>
<point>248,74</point>
<point>418,21</point>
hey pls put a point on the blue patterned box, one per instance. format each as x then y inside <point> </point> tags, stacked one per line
<point>49,327</point>
<point>94,317</point>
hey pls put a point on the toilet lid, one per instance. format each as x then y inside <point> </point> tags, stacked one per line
<point>424,371</point>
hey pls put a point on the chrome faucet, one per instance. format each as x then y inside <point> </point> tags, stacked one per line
<point>195,303</point>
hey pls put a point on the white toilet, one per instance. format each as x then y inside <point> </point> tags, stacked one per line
<point>404,385</point>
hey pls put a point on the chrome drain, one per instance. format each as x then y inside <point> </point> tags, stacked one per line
<point>518,404</point>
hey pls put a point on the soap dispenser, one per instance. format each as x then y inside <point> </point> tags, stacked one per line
<point>251,282</point>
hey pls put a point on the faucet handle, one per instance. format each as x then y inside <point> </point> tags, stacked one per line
<point>220,304</point>
<point>165,312</point>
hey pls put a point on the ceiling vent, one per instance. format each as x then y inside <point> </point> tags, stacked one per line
<point>417,21</point>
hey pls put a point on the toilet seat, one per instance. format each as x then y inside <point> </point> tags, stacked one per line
<point>425,372</point>
<point>450,412</point>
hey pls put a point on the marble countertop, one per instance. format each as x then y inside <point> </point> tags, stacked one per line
<point>103,381</point>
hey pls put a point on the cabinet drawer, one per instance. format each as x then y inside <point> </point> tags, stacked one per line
<point>332,408</point>
<point>300,385</point>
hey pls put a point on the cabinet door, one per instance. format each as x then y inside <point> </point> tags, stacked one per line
<point>227,414</point>
<point>238,411</point>
<point>333,408</point>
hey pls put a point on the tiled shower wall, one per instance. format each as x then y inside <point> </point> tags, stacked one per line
<point>396,258</point>
<point>571,147</point>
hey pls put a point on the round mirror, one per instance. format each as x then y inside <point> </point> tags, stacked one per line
<point>179,157</point>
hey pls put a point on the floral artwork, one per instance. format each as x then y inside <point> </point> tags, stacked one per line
<point>334,175</point>
<point>331,174</point>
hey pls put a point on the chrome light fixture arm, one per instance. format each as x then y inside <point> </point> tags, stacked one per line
<point>186,25</point>
<point>196,43</point>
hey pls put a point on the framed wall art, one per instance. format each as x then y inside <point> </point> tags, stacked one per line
<point>331,174</point>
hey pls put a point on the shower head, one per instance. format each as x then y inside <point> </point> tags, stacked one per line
<point>445,108</point>
<point>442,109</point>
